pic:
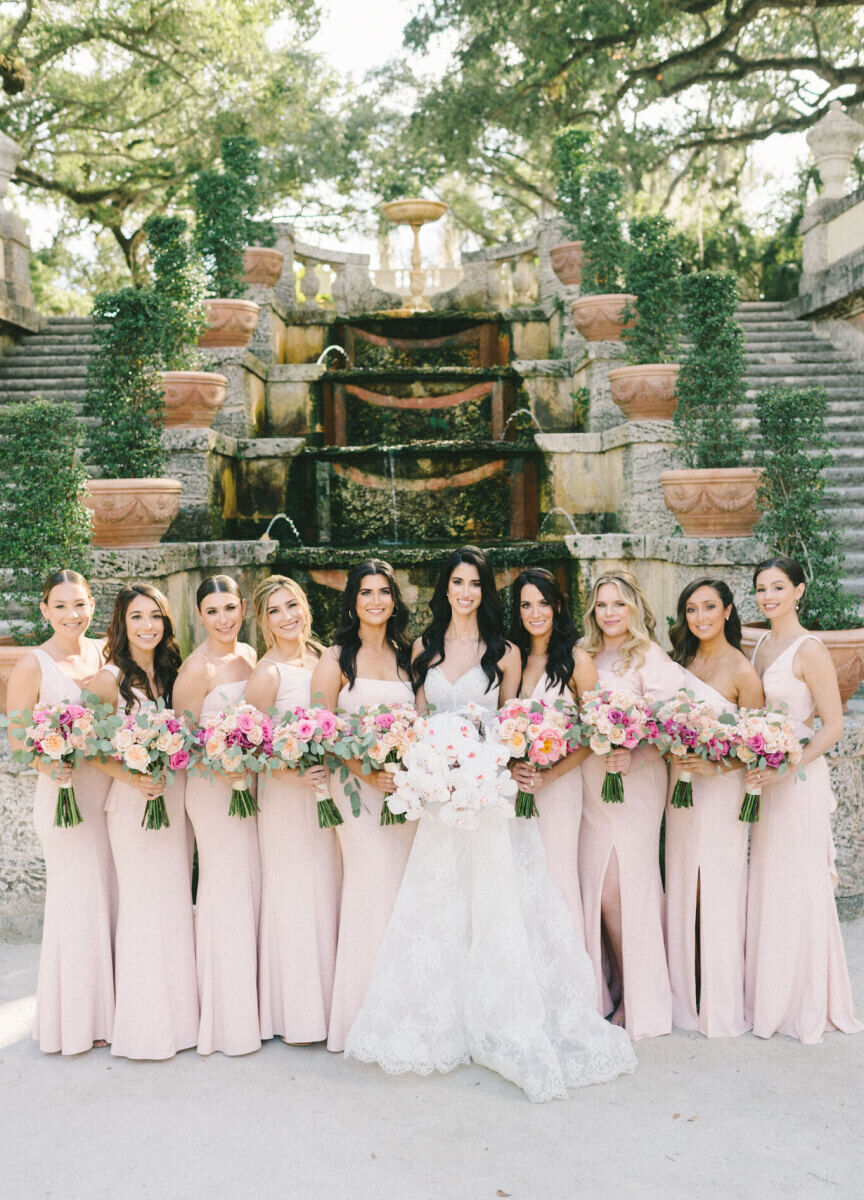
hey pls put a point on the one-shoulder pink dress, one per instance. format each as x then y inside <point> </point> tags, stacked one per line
<point>373,863</point>
<point>75,994</point>
<point>630,831</point>
<point>227,906</point>
<point>301,884</point>
<point>706,857</point>
<point>796,979</point>
<point>156,989</point>
<point>559,804</point>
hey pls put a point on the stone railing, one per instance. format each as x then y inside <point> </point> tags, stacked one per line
<point>317,280</point>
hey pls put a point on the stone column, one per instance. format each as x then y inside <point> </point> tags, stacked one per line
<point>833,142</point>
<point>15,265</point>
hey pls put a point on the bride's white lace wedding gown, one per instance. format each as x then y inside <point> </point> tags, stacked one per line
<point>480,959</point>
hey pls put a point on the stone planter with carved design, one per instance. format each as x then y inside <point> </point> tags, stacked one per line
<point>232,323</point>
<point>599,318</point>
<point>262,265</point>
<point>192,398</point>
<point>713,502</point>
<point>566,259</point>
<point>132,512</point>
<point>645,392</point>
<point>846,647</point>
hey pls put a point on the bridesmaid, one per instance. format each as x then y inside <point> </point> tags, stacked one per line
<point>368,664</point>
<point>619,871</point>
<point>796,981</point>
<point>156,1010</point>
<point>229,866</point>
<point>553,667</point>
<point>706,845</point>
<point>301,872</point>
<point>75,994</point>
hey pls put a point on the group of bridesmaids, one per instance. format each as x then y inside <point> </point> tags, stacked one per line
<point>289,917</point>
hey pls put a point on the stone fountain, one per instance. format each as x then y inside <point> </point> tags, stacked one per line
<point>415,213</point>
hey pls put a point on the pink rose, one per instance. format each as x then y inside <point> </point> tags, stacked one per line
<point>631,738</point>
<point>775,759</point>
<point>305,729</point>
<point>244,721</point>
<point>384,720</point>
<point>327,722</point>
<point>179,760</point>
<point>756,742</point>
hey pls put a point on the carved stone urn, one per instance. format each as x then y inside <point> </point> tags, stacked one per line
<point>713,502</point>
<point>599,318</point>
<point>192,398</point>
<point>132,512</point>
<point>231,323</point>
<point>645,392</point>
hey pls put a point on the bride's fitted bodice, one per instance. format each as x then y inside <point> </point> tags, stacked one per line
<point>469,688</point>
<point>783,687</point>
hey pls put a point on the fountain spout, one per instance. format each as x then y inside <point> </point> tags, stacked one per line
<point>265,536</point>
<point>561,512</point>
<point>322,357</point>
<point>527,412</point>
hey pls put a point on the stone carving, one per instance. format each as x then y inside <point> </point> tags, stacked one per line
<point>232,323</point>
<point>646,391</point>
<point>132,512</point>
<point>713,503</point>
<point>262,265</point>
<point>192,398</point>
<point>833,142</point>
<point>598,318</point>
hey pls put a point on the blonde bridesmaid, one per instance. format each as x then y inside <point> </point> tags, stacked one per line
<point>706,845</point>
<point>553,667</point>
<point>75,993</point>
<point>796,980</point>
<point>369,664</point>
<point>156,990</point>
<point>619,869</point>
<point>301,870</point>
<point>213,677</point>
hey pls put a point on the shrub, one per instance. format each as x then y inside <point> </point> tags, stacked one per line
<point>711,379</point>
<point>572,156</point>
<point>122,385</point>
<point>45,525</point>
<point>794,448</point>
<point>240,159</point>
<point>225,205</point>
<point>603,242</point>
<point>653,276</point>
<point>178,284</point>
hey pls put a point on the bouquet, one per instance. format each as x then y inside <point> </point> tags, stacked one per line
<point>153,741</point>
<point>380,737</point>
<point>764,738</point>
<point>543,733</point>
<point>309,736</point>
<point>611,721</point>
<point>449,772</point>
<point>687,726</point>
<point>238,739</point>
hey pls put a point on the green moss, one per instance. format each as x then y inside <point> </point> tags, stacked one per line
<point>368,424</point>
<point>373,357</point>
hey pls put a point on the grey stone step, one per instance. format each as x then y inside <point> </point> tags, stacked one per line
<point>40,354</point>
<point>52,371</point>
<point>816,357</point>
<point>70,395</point>
<point>800,370</point>
<point>30,385</point>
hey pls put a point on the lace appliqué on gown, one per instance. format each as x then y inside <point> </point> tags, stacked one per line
<point>480,960</point>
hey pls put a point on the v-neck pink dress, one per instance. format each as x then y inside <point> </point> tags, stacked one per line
<point>301,883</point>
<point>630,831</point>
<point>796,979</point>
<point>227,905</point>
<point>706,857</point>
<point>75,993</point>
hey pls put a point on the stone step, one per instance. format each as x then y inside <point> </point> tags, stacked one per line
<point>33,385</point>
<point>761,368</point>
<point>40,354</point>
<point>35,374</point>
<point>816,357</point>
<point>70,395</point>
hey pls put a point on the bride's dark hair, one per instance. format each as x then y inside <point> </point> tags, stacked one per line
<point>490,620</point>
<point>347,636</point>
<point>559,652</point>
<point>166,656</point>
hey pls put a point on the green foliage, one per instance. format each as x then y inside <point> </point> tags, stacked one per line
<point>122,386</point>
<point>572,156</point>
<point>653,276</point>
<point>711,379</point>
<point>794,449</point>
<point>220,231</point>
<point>46,525</point>
<point>178,284</point>
<point>604,247</point>
<point>240,159</point>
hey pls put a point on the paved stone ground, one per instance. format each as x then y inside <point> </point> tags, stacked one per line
<point>708,1120</point>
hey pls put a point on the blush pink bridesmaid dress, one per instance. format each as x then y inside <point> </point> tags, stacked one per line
<point>373,863</point>
<point>631,832</point>
<point>301,883</point>
<point>796,980</point>
<point>227,906</point>
<point>706,856</point>
<point>75,994</point>
<point>156,989</point>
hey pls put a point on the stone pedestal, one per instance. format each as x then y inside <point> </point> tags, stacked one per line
<point>243,410</point>
<point>598,360</point>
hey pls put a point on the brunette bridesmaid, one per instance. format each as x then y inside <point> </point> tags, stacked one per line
<point>211,679</point>
<point>75,994</point>
<point>796,981</point>
<point>368,664</point>
<point>301,871</point>
<point>553,667</point>
<point>156,1008</point>
<point>706,845</point>
<point>619,870</point>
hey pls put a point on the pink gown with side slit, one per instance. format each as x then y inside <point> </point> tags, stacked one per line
<point>227,905</point>
<point>630,831</point>
<point>75,993</point>
<point>796,979</point>
<point>301,883</point>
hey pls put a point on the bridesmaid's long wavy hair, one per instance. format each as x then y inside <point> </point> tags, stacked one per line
<point>635,647</point>
<point>490,619</point>
<point>166,656</point>
<point>347,636</point>
<point>559,653</point>
<point>261,598</point>
<point>684,642</point>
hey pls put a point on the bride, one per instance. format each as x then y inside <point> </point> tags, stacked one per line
<point>480,960</point>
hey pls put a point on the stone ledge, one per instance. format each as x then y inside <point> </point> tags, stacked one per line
<point>679,550</point>
<point>179,556</point>
<point>295,372</point>
<point>837,291</point>
<point>174,438</point>
<point>628,433</point>
<point>559,368</point>
<point>235,356</point>
<point>248,448</point>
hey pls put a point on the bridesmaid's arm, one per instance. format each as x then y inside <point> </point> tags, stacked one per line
<point>327,679</point>
<point>22,694</point>
<point>817,671</point>
<point>511,672</point>
<point>191,686</point>
<point>262,686</point>
<point>420,700</point>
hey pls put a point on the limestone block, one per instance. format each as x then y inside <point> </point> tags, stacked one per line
<point>593,373</point>
<point>846,761</point>
<point>186,459</point>
<point>269,339</point>
<point>243,410</point>
<point>304,343</point>
<point>22,869</point>
<point>290,409</point>
<point>549,384</point>
<point>249,478</point>
<point>530,339</point>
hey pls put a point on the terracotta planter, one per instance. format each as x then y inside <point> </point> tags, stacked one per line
<point>10,654</point>
<point>232,323</point>
<point>566,260</point>
<point>645,392</point>
<point>598,318</point>
<point>846,647</point>
<point>719,502</point>
<point>132,512</point>
<point>262,265</point>
<point>192,398</point>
